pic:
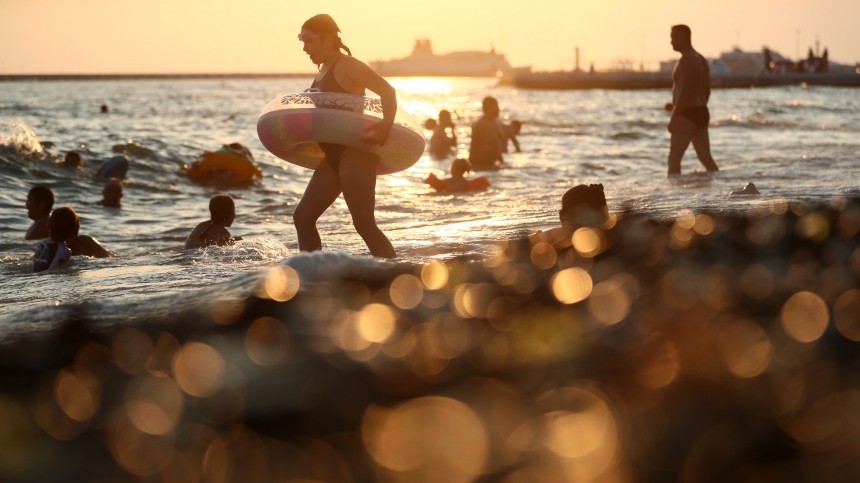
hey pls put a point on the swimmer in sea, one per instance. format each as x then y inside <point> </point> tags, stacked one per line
<point>52,252</point>
<point>485,149</point>
<point>457,183</point>
<point>511,131</point>
<point>112,193</point>
<point>581,206</point>
<point>344,169</point>
<point>691,88</point>
<point>72,160</point>
<point>442,143</point>
<point>40,200</point>
<point>222,212</point>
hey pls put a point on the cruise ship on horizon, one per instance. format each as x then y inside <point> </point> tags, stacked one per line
<point>423,62</point>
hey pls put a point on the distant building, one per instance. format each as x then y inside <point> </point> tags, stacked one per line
<point>738,62</point>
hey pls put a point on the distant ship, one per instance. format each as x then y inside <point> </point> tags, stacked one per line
<point>423,62</point>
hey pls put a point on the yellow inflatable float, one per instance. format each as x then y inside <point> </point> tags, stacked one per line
<point>232,164</point>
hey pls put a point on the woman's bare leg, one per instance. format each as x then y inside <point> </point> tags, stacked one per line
<point>358,181</point>
<point>322,190</point>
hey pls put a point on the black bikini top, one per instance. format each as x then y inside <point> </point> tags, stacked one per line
<point>328,83</point>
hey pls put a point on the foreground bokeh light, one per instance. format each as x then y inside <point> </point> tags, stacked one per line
<point>427,439</point>
<point>709,347</point>
<point>571,285</point>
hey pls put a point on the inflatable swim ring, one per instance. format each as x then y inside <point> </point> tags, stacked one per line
<point>230,164</point>
<point>115,167</point>
<point>291,126</point>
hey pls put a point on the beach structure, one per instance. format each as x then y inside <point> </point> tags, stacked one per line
<point>732,69</point>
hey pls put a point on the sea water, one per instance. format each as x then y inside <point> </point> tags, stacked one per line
<point>797,144</point>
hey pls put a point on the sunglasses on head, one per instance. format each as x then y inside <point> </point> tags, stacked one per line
<point>306,36</point>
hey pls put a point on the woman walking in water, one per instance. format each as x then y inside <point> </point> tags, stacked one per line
<point>344,169</point>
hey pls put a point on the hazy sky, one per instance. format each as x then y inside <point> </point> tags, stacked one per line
<point>180,36</point>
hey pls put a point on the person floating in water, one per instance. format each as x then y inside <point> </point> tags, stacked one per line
<point>485,149</point>
<point>52,252</point>
<point>344,169</point>
<point>691,88</point>
<point>458,182</point>
<point>222,211</point>
<point>581,206</point>
<point>40,200</point>
<point>443,141</point>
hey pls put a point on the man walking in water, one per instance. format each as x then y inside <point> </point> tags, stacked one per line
<point>691,88</point>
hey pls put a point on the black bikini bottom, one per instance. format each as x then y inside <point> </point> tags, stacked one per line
<point>333,153</point>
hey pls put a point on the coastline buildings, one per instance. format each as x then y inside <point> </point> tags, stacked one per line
<point>734,68</point>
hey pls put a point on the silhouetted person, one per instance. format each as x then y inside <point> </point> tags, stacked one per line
<point>485,150</point>
<point>581,206</point>
<point>443,141</point>
<point>768,60</point>
<point>40,200</point>
<point>511,131</point>
<point>112,193</point>
<point>104,109</point>
<point>691,89</point>
<point>344,169</point>
<point>73,159</point>
<point>53,253</point>
<point>222,212</point>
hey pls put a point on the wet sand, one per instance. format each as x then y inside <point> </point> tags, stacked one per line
<point>715,347</point>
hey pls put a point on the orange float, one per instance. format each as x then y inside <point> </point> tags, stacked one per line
<point>232,164</point>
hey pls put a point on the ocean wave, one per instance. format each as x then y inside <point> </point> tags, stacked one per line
<point>19,138</point>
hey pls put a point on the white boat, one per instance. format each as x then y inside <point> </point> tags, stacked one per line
<point>423,62</point>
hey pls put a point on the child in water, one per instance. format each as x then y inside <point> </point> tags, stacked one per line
<point>458,182</point>
<point>222,211</point>
<point>441,142</point>
<point>52,252</point>
<point>581,206</point>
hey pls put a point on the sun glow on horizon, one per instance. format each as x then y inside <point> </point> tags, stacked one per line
<point>188,36</point>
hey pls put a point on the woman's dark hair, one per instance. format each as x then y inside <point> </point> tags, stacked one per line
<point>323,24</point>
<point>63,224</point>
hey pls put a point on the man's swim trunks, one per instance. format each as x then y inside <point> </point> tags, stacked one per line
<point>699,115</point>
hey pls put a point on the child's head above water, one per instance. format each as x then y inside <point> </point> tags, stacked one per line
<point>459,167</point>
<point>222,209</point>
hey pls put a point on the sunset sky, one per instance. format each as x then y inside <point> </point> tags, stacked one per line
<point>187,36</point>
